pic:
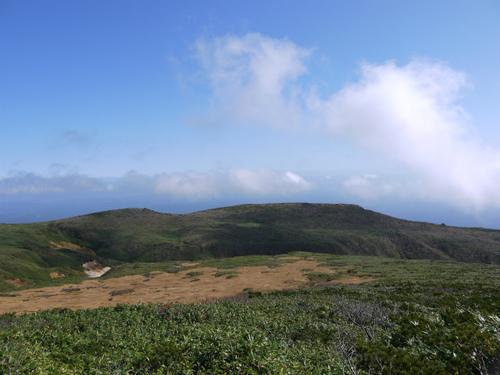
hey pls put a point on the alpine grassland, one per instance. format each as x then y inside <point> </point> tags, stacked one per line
<point>426,298</point>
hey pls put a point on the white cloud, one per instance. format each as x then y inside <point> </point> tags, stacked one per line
<point>192,185</point>
<point>264,181</point>
<point>410,113</point>
<point>253,78</point>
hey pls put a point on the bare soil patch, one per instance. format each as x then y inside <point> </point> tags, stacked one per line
<point>190,264</point>
<point>166,287</point>
<point>17,282</point>
<point>72,246</point>
<point>57,274</point>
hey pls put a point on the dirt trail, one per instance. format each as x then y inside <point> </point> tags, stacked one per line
<point>164,287</point>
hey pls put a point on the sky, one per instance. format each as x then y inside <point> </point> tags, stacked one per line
<point>180,106</point>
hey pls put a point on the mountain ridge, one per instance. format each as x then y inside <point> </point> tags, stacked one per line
<point>32,251</point>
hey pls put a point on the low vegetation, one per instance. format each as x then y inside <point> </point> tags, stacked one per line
<point>417,317</point>
<point>386,328</point>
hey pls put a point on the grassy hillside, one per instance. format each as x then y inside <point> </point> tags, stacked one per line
<point>30,252</point>
<point>133,234</point>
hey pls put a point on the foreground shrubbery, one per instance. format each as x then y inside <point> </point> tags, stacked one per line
<point>379,329</point>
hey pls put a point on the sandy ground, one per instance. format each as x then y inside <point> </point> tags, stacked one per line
<point>164,287</point>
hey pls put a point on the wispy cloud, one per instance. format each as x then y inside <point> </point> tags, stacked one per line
<point>369,186</point>
<point>30,183</point>
<point>253,78</point>
<point>408,113</point>
<point>75,137</point>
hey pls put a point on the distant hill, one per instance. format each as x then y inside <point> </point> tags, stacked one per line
<point>33,251</point>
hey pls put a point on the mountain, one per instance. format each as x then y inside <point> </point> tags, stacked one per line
<point>33,251</point>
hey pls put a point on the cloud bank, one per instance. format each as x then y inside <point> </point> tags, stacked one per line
<point>189,185</point>
<point>409,113</point>
<point>264,181</point>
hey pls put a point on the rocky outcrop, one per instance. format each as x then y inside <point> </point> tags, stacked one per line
<point>94,269</point>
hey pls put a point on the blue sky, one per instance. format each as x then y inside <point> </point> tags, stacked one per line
<point>186,105</point>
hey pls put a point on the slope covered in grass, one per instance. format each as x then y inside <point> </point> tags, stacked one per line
<point>32,251</point>
<point>29,253</point>
<point>131,235</point>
